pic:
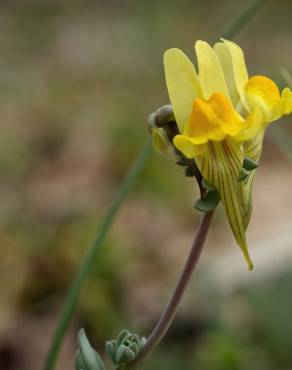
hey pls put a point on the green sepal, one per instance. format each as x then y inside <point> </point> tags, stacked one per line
<point>135,348</point>
<point>249,164</point>
<point>86,357</point>
<point>122,336</point>
<point>209,202</point>
<point>124,355</point>
<point>243,175</point>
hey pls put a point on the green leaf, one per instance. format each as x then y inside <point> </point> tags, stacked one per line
<point>135,348</point>
<point>243,174</point>
<point>90,358</point>
<point>249,164</point>
<point>79,364</point>
<point>136,339</point>
<point>209,202</point>
<point>124,355</point>
<point>122,336</point>
<point>111,349</point>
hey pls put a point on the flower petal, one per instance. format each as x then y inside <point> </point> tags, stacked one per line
<point>252,126</point>
<point>224,57</point>
<point>213,119</point>
<point>262,92</point>
<point>210,70</point>
<point>182,84</point>
<point>282,107</point>
<point>220,166</point>
<point>253,150</point>
<point>287,99</point>
<point>188,146</point>
<point>239,69</point>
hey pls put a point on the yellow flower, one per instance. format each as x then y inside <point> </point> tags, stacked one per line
<point>221,115</point>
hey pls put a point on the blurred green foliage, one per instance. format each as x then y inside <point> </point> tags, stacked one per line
<point>78,80</point>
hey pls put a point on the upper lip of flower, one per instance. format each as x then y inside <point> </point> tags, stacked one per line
<point>222,76</point>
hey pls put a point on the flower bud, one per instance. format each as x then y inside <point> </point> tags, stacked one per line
<point>164,115</point>
<point>125,348</point>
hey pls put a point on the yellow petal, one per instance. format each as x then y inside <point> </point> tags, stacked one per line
<point>239,69</point>
<point>251,127</point>
<point>286,97</point>
<point>220,166</point>
<point>282,107</point>
<point>182,84</point>
<point>263,93</point>
<point>210,71</point>
<point>224,57</point>
<point>212,119</point>
<point>189,147</point>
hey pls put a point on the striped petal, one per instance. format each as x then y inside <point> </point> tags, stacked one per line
<point>220,165</point>
<point>182,83</point>
<point>253,150</point>
<point>210,71</point>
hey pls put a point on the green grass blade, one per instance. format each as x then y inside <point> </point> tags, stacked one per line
<point>243,18</point>
<point>90,255</point>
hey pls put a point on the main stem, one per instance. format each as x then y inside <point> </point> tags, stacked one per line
<point>173,304</point>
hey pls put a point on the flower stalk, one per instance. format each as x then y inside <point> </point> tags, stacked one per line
<point>173,304</point>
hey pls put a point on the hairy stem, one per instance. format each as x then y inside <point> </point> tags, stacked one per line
<point>173,304</point>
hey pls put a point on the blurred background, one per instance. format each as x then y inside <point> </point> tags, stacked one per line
<point>78,79</point>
